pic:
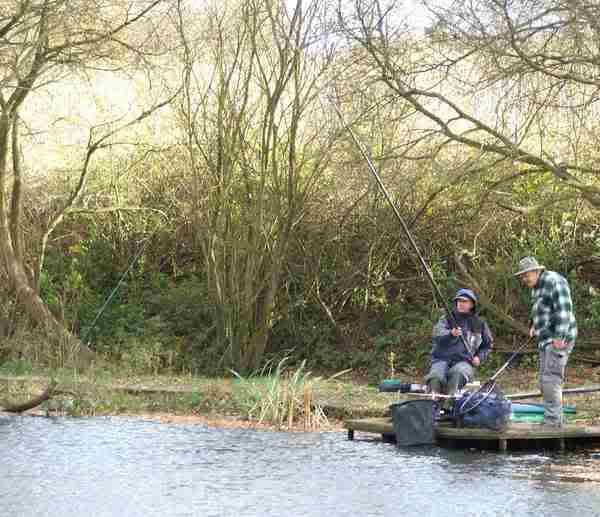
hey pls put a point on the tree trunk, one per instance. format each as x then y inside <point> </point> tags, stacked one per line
<point>27,296</point>
<point>37,309</point>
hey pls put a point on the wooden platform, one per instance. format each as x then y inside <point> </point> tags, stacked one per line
<point>517,436</point>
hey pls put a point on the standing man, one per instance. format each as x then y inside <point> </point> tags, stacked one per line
<point>452,363</point>
<point>555,329</point>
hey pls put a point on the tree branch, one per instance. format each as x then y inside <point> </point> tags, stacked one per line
<point>30,404</point>
<point>76,194</point>
<point>485,301</point>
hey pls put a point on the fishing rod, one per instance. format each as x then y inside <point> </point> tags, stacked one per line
<point>424,264</point>
<point>510,359</point>
<point>490,384</point>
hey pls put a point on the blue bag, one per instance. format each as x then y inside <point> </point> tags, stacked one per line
<point>482,409</point>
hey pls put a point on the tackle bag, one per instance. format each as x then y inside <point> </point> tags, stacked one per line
<point>414,422</point>
<point>490,409</point>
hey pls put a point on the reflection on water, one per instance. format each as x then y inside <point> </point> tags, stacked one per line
<point>128,467</point>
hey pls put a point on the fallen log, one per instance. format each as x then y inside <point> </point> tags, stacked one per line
<point>30,404</point>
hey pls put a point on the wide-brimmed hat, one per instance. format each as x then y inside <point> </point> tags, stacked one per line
<point>528,264</point>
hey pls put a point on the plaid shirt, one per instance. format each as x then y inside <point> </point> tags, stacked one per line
<point>552,310</point>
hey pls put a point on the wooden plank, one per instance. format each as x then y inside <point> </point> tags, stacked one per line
<point>515,431</point>
<point>371,425</point>
<point>519,431</point>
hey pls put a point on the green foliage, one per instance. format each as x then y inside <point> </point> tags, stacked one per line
<point>182,307</point>
<point>143,320</point>
<point>142,355</point>
<point>344,252</point>
<point>401,317</point>
<point>588,308</point>
<point>304,334</point>
<point>156,322</point>
<point>167,329</point>
<point>49,293</point>
<point>16,367</point>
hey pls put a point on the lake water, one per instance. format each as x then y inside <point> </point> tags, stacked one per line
<point>63,467</point>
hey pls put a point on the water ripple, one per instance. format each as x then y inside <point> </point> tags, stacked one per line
<point>129,467</point>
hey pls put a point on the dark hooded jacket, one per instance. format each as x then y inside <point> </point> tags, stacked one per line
<point>475,330</point>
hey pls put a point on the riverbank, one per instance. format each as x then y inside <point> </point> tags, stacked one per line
<point>321,403</point>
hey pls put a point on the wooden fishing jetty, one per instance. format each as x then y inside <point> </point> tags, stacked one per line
<point>517,436</point>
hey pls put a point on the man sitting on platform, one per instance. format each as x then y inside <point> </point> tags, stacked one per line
<point>458,350</point>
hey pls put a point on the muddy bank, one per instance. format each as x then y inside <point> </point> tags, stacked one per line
<point>226,403</point>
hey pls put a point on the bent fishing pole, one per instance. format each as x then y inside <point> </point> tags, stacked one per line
<point>405,228</point>
<point>510,359</point>
<point>490,384</point>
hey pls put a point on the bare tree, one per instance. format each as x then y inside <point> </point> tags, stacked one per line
<point>516,81</point>
<point>45,42</point>
<point>257,143</point>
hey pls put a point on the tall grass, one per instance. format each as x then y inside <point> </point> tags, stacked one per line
<point>281,397</point>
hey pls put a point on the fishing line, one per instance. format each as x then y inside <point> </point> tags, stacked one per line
<point>122,278</point>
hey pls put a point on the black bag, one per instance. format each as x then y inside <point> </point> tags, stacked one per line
<point>414,422</point>
<point>483,409</point>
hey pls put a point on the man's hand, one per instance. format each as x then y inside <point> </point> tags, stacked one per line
<point>456,331</point>
<point>475,361</point>
<point>531,332</point>
<point>559,344</point>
